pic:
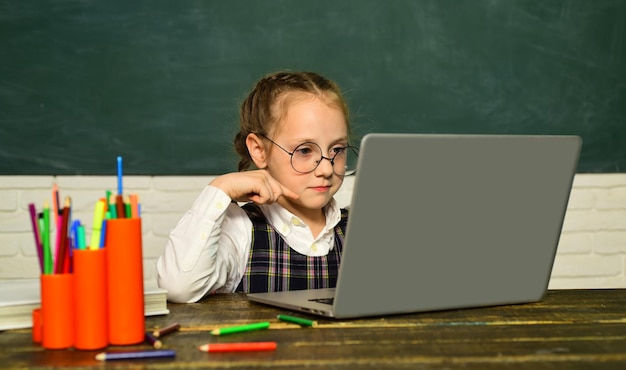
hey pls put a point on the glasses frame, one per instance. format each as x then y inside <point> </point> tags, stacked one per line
<point>354,149</point>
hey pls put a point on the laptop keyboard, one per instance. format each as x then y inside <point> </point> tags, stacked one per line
<point>324,300</point>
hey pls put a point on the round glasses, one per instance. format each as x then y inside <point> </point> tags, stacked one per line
<point>307,156</point>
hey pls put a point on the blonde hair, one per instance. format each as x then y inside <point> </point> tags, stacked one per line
<point>268,102</point>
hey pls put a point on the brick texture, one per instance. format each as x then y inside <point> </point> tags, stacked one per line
<point>591,252</point>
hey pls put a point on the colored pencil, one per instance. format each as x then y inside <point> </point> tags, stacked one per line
<point>107,196</point>
<point>154,342</point>
<point>103,232</point>
<point>62,247</point>
<point>131,355</point>
<point>241,328</point>
<point>42,229</point>
<point>238,347</point>
<point>34,222</point>
<point>67,263</point>
<point>56,203</point>
<point>166,330</point>
<point>47,252</point>
<point>120,207</point>
<point>112,206</point>
<point>297,320</point>
<point>57,234</point>
<point>80,231</point>
<point>134,205</point>
<point>74,233</point>
<point>127,208</point>
<point>96,227</point>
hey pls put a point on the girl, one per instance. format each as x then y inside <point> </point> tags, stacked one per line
<point>294,130</point>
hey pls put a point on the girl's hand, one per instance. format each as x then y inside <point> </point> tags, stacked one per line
<point>257,186</point>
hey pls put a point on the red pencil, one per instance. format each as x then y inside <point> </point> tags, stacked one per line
<point>238,347</point>
<point>61,253</point>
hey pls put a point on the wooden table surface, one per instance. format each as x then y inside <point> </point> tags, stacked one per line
<point>568,329</point>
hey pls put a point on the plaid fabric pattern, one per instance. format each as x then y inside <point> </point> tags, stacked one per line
<point>273,266</point>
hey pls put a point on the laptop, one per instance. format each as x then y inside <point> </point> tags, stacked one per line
<point>441,222</point>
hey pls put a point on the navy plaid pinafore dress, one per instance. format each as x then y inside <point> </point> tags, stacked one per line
<point>273,266</point>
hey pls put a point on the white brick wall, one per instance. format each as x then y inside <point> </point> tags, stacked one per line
<point>591,252</point>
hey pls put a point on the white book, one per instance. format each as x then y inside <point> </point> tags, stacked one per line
<point>19,297</point>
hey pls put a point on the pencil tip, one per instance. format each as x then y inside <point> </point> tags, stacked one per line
<point>100,356</point>
<point>215,332</point>
<point>204,348</point>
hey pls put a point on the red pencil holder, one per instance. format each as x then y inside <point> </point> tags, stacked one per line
<point>90,299</point>
<point>57,310</point>
<point>123,242</point>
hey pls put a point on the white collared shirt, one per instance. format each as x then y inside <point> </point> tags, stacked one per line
<point>208,249</point>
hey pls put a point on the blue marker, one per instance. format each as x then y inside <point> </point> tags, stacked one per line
<point>74,234</point>
<point>103,233</point>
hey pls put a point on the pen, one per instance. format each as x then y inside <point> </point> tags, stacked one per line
<point>238,347</point>
<point>297,320</point>
<point>153,341</point>
<point>130,355</point>
<point>241,328</point>
<point>168,329</point>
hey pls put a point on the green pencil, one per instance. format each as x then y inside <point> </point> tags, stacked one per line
<point>241,328</point>
<point>297,320</point>
<point>47,248</point>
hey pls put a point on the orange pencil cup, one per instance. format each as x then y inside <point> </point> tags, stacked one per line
<point>57,310</point>
<point>37,326</point>
<point>90,299</point>
<point>123,242</point>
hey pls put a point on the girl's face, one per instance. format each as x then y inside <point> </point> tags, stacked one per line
<point>308,120</point>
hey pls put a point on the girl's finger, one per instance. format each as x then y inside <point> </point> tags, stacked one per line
<point>286,192</point>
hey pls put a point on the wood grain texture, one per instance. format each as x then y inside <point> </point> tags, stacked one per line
<point>568,329</point>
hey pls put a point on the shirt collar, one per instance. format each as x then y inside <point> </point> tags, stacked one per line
<point>284,221</point>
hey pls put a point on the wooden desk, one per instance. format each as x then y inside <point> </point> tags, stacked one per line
<point>569,329</point>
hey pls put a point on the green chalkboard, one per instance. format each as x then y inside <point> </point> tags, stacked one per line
<point>159,82</point>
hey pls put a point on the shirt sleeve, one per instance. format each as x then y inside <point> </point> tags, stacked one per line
<point>207,250</point>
